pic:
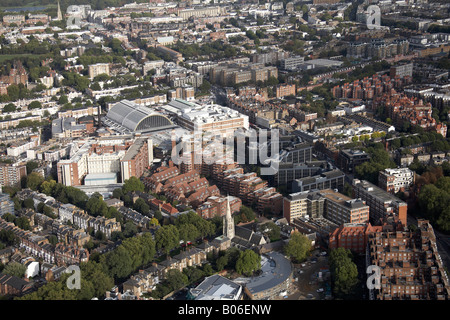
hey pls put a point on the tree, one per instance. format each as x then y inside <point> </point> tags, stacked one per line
<point>63,100</point>
<point>96,86</point>
<point>99,235</point>
<point>53,239</point>
<point>28,203</point>
<point>119,262</point>
<point>248,262</point>
<point>34,105</point>
<point>132,184</point>
<point>9,217</point>
<point>167,238</point>
<point>95,274</point>
<point>248,213</point>
<point>193,274</point>
<point>22,223</point>
<point>158,215</point>
<point>10,107</point>
<point>205,87</point>
<point>47,187</point>
<point>7,236</point>
<point>117,193</point>
<point>272,230</point>
<point>96,206</point>
<point>153,222</point>
<point>48,212</point>
<point>344,273</point>
<point>221,262</point>
<point>188,232</point>
<point>208,270</point>
<point>434,203</point>
<point>15,269</point>
<point>130,229</point>
<point>141,206</point>
<point>298,247</point>
<point>176,279</point>
<point>34,180</point>
<point>31,165</point>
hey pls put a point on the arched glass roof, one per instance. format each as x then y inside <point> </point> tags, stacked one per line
<point>137,118</point>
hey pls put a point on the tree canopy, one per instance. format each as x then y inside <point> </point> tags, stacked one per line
<point>298,247</point>
<point>248,262</point>
<point>344,273</point>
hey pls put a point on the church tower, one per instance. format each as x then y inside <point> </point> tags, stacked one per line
<point>228,224</point>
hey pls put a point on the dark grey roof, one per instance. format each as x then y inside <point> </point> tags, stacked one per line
<point>246,238</point>
<point>243,233</point>
<point>13,281</point>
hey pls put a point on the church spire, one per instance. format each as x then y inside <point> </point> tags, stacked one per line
<point>228,225</point>
<point>59,14</point>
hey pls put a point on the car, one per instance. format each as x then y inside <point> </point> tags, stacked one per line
<point>314,261</point>
<point>320,290</point>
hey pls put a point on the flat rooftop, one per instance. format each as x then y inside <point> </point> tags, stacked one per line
<point>101,176</point>
<point>379,193</point>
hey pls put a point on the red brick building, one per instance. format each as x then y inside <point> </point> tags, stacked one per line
<point>14,286</point>
<point>410,265</point>
<point>217,206</point>
<point>352,236</point>
<point>402,109</point>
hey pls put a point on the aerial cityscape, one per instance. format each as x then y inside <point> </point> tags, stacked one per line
<point>228,150</point>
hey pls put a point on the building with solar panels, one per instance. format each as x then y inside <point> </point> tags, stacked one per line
<point>128,117</point>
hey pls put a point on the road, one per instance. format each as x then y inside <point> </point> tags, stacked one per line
<point>307,283</point>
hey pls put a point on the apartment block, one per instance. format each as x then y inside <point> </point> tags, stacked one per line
<point>17,19</point>
<point>97,69</point>
<point>410,265</point>
<point>333,179</point>
<point>341,209</point>
<point>292,63</point>
<point>11,174</point>
<point>401,70</point>
<point>268,199</point>
<point>285,90</point>
<point>216,206</point>
<point>395,180</point>
<point>288,172</point>
<point>303,204</point>
<point>352,236</point>
<point>348,159</point>
<point>382,204</point>
<point>137,159</point>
